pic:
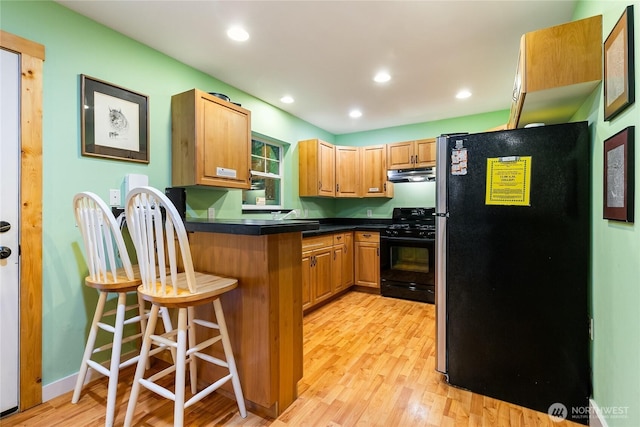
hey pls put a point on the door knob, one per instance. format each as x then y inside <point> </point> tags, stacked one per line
<point>4,226</point>
<point>5,252</point>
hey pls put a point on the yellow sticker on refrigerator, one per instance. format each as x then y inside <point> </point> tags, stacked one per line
<point>509,181</point>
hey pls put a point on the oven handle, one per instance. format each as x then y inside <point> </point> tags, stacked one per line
<point>405,239</point>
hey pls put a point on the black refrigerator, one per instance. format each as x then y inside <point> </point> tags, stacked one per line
<point>512,266</point>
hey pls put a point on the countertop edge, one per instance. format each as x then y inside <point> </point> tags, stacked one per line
<point>250,227</point>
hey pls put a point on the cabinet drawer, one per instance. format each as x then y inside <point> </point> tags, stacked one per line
<point>311,243</point>
<point>367,236</point>
<point>338,239</point>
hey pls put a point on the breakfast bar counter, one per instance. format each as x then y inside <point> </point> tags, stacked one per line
<point>264,313</point>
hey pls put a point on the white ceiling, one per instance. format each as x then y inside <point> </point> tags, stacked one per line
<point>325,53</point>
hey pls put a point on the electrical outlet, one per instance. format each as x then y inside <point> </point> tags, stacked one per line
<point>114,197</point>
<point>369,213</point>
<point>211,213</point>
<point>591,326</point>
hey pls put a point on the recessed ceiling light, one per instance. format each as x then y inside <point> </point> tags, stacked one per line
<point>355,114</point>
<point>463,94</point>
<point>286,99</point>
<point>382,77</point>
<point>238,34</point>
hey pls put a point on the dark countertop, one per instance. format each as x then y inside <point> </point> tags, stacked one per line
<point>252,227</point>
<point>308,227</point>
<point>337,228</point>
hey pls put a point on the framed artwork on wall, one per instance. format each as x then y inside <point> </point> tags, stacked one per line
<point>114,121</point>
<point>618,175</point>
<point>619,82</point>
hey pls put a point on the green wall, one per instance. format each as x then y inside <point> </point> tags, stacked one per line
<point>615,293</point>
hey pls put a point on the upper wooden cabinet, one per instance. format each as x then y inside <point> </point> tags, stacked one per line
<point>411,154</point>
<point>347,171</point>
<point>317,176</point>
<point>342,171</point>
<point>373,172</point>
<point>211,140</point>
<point>558,68</point>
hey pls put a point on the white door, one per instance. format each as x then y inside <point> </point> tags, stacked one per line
<point>9,229</point>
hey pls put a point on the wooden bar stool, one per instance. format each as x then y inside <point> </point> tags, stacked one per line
<point>160,240</point>
<point>110,271</point>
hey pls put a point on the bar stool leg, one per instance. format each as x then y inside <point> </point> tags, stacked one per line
<point>142,362</point>
<point>114,367</point>
<point>226,344</point>
<point>143,321</point>
<point>166,321</point>
<point>88,350</point>
<point>181,365</point>
<point>193,369</point>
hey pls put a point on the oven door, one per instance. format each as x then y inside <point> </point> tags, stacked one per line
<point>407,268</point>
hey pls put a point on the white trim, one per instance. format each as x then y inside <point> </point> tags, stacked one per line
<point>67,384</point>
<point>595,419</point>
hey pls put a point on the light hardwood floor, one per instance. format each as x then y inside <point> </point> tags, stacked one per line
<point>368,361</point>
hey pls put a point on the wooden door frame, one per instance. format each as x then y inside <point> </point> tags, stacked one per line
<point>31,83</point>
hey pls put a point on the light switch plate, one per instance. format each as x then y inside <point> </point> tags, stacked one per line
<point>114,197</point>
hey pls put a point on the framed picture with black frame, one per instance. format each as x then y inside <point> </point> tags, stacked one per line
<point>619,69</point>
<point>114,121</point>
<point>618,176</point>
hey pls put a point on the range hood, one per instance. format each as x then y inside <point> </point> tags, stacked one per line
<point>412,175</point>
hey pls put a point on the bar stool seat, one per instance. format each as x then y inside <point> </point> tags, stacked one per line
<point>160,240</point>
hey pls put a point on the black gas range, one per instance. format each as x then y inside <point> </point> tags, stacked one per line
<point>407,255</point>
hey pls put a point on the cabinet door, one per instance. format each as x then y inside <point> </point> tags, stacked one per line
<point>347,260</point>
<point>323,260</point>
<point>306,279</point>
<point>316,161</point>
<point>400,155</point>
<point>347,171</point>
<point>374,171</point>
<point>425,153</point>
<point>336,267</point>
<point>368,264</point>
<point>224,152</point>
<point>326,168</point>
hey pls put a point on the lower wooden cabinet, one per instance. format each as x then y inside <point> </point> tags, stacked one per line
<point>367,259</point>
<point>327,267</point>
<point>347,260</point>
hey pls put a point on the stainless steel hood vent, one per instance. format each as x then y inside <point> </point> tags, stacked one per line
<point>412,175</point>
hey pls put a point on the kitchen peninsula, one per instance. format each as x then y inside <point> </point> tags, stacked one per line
<point>264,313</point>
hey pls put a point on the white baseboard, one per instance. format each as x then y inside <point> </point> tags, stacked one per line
<point>65,385</point>
<point>595,417</point>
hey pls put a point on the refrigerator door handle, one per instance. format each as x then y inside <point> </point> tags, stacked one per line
<point>442,216</point>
